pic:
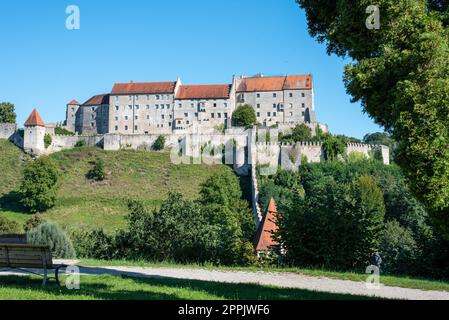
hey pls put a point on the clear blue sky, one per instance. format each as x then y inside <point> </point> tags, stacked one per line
<point>44,66</point>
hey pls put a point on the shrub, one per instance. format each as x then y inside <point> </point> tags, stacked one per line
<point>333,147</point>
<point>39,185</point>
<point>60,131</point>
<point>97,172</point>
<point>159,144</point>
<point>47,140</point>
<point>398,249</point>
<point>80,144</point>
<point>35,221</point>
<point>244,116</point>
<point>95,244</point>
<point>8,226</point>
<point>7,113</point>
<point>299,133</point>
<point>52,235</point>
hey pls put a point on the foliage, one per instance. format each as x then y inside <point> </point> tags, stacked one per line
<point>80,144</point>
<point>60,131</point>
<point>39,185</point>
<point>47,140</point>
<point>159,144</point>
<point>398,249</point>
<point>400,75</point>
<point>35,221</point>
<point>8,226</point>
<point>98,171</point>
<point>7,113</point>
<point>335,225</point>
<point>333,147</point>
<point>93,244</point>
<point>244,116</point>
<point>381,138</point>
<point>300,133</point>
<point>52,235</point>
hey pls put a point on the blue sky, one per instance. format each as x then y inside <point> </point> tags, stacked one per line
<point>44,66</point>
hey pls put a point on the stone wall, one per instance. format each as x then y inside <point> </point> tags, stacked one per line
<point>7,130</point>
<point>60,143</point>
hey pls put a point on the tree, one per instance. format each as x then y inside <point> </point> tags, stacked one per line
<point>333,147</point>
<point>97,172</point>
<point>47,140</point>
<point>7,113</point>
<point>244,116</point>
<point>400,75</point>
<point>159,144</point>
<point>300,133</point>
<point>39,185</point>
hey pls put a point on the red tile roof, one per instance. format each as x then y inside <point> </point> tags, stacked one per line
<point>34,120</point>
<point>74,102</point>
<point>97,100</point>
<point>215,91</point>
<point>144,87</point>
<point>275,83</point>
<point>264,237</point>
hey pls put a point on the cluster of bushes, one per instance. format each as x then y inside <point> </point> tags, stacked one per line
<point>336,214</point>
<point>216,228</point>
<point>60,131</point>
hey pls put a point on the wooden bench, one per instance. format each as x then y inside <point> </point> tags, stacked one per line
<point>25,256</point>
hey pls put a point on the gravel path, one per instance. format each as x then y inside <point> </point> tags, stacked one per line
<point>284,279</point>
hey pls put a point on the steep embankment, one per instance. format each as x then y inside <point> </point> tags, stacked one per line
<point>147,176</point>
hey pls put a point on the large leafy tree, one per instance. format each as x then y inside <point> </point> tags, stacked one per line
<point>244,116</point>
<point>400,74</point>
<point>7,113</point>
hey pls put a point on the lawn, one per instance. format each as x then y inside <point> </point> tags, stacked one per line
<point>388,280</point>
<point>125,288</point>
<point>147,176</point>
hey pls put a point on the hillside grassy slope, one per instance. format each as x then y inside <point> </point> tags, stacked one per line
<point>147,176</point>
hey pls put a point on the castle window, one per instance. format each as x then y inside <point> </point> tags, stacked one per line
<point>148,107</point>
<point>116,98</point>
<point>169,124</point>
<point>92,124</point>
<point>136,128</point>
<point>162,106</point>
<point>291,114</point>
<point>219,115</point>
<point>303,94</point>
<point>137,107</point>
<point>274,95</point>
<point>157,106</point>
<point>274,114</point>
<point>274,106</point>
<point>117,108</point>
<point>116,128</point>
<point>158,97</point>
<point>225,105</point>
<point>137,98</point>
<point>163,117</point>
<point>258,106</point>
<point>258,95</point>
<point>126,128</point>
<point>148,97</point>
<point>291,95</point>
<point>148,117</point>
<point>226,115</point>
<point>186,115</point>
<point>269,114</point>
<point>303,105</point>
<point>130,107</point>
<point>116,118</point>
<point>215,105</point>
<point>187,122</point>
<point>258,114</point>
<point>180,105</point>
<point>171,116</point>
<point>192,105</point>
<point>212,115</point>
<point>137,118</point>
<point>303,113</point>
<point>168,107</point>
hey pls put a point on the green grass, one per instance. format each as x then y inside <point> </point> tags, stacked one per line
<point>142,175</point>
<point>108,287</point>
<point>394,281</point>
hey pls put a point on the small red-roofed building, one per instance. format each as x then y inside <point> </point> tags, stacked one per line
<point>264,243</point>
<point>34,134</point>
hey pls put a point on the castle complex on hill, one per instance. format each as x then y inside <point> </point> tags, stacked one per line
<point>164,107</point>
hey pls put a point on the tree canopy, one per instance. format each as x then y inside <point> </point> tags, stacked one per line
<point>400,75</point>
<point>7,113</point>
<point>244,116</point>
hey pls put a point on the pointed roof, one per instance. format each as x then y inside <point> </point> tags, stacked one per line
<point>34,120</point>
<point>73,102</point>
<point>264,237</point>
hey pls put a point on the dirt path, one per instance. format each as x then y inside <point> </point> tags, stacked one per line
<point>278,279</point>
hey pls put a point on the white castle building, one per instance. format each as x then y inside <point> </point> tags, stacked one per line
<point>164,107</point>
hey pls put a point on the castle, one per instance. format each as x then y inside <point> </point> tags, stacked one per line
<point>164,107</point>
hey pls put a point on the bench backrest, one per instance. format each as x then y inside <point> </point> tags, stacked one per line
<point>13,238</point>
<point>25,256</point>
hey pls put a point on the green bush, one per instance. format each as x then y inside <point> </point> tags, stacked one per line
<point>159,144</point>
<point>300,133</point>
<point>60,131</point>
<point>80,144</point>
<point>52,235</point>
<point>35,221</point>
<point>39,185</point>
<point>398,249</point>
<point>244,116</point>
<point>333,147</point>
<point>98,171</point>
<point>47,140</point>
<point>8,226</point>
<point>7,113</point>
<point>95,244</point>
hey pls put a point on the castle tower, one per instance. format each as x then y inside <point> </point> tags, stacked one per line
<point>71,114</point>
<point>34,134</point>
